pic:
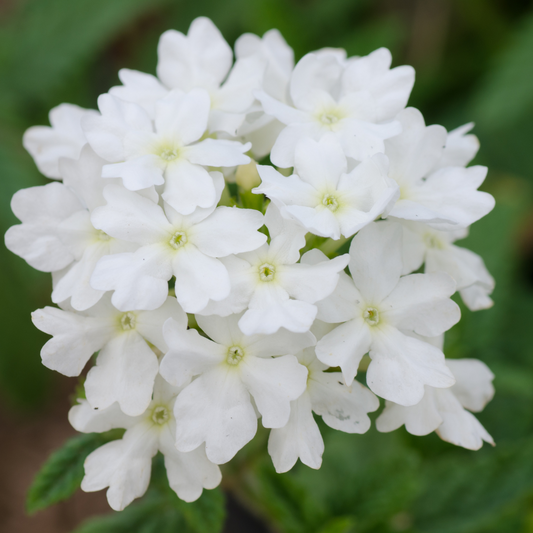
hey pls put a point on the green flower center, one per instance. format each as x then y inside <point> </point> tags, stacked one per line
<point>328,118</point>
<point>330,202</point>
<point>266,272</point>
<point>178,240</point>
<point>371,316</point>
<point>235,355</point>
<point>169,154</point>
<point>103,236</point>
<point>128,321</point>
<point>160,415</point>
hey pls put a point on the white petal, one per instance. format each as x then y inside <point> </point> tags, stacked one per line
<point>402,365</point>
<point>270,309</point>
<point>188,186</point>
<point>201,58</point>
<point>421,303</point>
<point>122,465</point>
<point>218,153</point>
<point>75,339</point>
<point>280,343</point>
<point>188,473</point>
<point>420,419</point>
<point>216,409</point>
<point>183,116</point>
<point>311,283</point>
<point>345,347</point>
<point>131,217</point>
<point>414,153</point>
<point>274,383</point>
<point>139,88</point>
<point>320,163</point>
<point>343,408</point>
<point>375,261</point>
<point>473,386</point>
<point>137,173</point>
<point>300,438</point>
<point>460,148</point>
<point>229,230</point>
<point>139,279</point>
<point>189,354</point>
<point>459,426</point>
<point>84,418</point>
<point>282,154</point>
<point>41,209</point>
<point>150,323</point>
<point>125,371</point>
<point>199,278</point>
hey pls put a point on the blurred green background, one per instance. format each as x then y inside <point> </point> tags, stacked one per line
<point>474,62</point>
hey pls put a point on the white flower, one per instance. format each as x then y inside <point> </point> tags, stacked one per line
<point>322,195</point>
<point>65,138</point>
<point>341,407</point>
<point>217,407</point>
<point>445,410</point>
<point>166,152</point>
<point>446,198</point>
<point>353,101</point>
<point>126,366</point>
<point>56,234</point>
<point>278,291</point>
<point>379,309</point>
<point>170,244</point>
<point>203,59</point>
<point>124,465</point>
<point>423,244</point>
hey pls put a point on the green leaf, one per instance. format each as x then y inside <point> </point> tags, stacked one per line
<point>62,473</point>
<point>341,524</point>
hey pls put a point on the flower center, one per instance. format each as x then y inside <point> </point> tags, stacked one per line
<point>330,202</point>
<point>235,355</point>
<point>328,118</point>
<point>160,415</point>
<point>371,316</point>
<point>169,154</point>
<point>432,241</point>
<point>266,272</point>
<point>103,236</point>
<point>128,321</point>
<point>178,240</point>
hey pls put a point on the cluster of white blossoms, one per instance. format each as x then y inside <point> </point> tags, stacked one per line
<point>207,316</point>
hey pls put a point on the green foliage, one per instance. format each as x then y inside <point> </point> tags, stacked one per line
<point>62,473</point>
<point>161,511</point>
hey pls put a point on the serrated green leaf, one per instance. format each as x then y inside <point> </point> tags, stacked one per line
<point>62,473</point>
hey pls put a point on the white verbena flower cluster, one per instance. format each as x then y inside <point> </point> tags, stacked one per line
<point>141,227</point>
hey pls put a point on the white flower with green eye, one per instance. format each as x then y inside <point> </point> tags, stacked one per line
<point>378,309</point>
<point>236,374</point>
<point>448,412</point>
<point>126,365</point>
<point>323,196</point>
<point>56,234</point>
<point>124,465</point>
<point>356,101</point>
<point>170,244</point>
<point>277,291</point>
